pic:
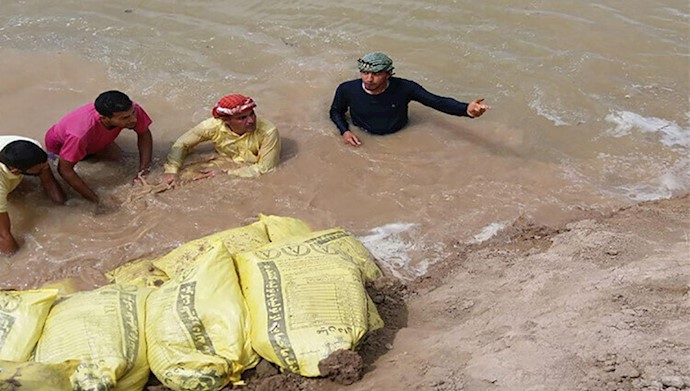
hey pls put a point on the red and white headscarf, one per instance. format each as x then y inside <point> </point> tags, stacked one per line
<point>233,104</point>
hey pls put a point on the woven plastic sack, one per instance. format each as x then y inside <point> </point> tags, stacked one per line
<point>104,329</point>
<point>34,376</point>
<point>339,240</point>
<point>197,326</point>
<point>65,286</point>
<point>280,228</point>
<point>236,240</point>
<point>305,301</point>
<point>285,229</point>
<point>22,315</point>
<point>141,272</point>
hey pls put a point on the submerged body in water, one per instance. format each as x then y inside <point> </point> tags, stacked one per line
<point>573,126</point>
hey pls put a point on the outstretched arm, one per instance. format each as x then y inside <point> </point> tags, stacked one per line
<point>178,152</point>
<point>66,170</point>
<point>441,103</point>
<point>447,105</point>
<point>8,245</point>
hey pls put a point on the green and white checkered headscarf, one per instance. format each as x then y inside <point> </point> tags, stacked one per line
<point>375,62</point>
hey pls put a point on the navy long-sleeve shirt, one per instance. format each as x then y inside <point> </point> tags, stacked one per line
<point>386,112</point>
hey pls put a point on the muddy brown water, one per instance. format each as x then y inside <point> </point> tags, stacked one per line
<point>590,111</point>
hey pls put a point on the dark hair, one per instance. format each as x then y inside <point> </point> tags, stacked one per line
<point>22,155</point>
<point>111,102</point>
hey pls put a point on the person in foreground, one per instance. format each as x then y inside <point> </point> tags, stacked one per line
<point>236,132</point>
<point>91,130</point>
<point>21,156</point>
<point>378,101</point>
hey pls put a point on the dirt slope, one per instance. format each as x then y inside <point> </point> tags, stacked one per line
<point>598,304</point>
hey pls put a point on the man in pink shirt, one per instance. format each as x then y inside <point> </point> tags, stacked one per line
<point>91,130</point>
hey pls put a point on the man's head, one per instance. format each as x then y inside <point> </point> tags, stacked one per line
<point>24,157</point>
<point>116,110</point>
<point>237,112</point>
<point>375,62</point>
<point>375,69</point>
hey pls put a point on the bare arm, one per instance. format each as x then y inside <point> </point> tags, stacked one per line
<point>66,170</point>
<point>145,145</point>
<point>51,186</point>
<point>8,245</point>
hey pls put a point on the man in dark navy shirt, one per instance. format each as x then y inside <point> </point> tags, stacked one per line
<point>378,102</point>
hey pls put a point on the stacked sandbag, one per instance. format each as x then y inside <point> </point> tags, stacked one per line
<point>104,330</point>
<point>153,272</point>
<point>235,240</point>
<point>65,286</point>
<point>306,300</point>
<point>299,298</point>
<point>34,376</point>
<point>22,315</point>
<point>141,272</point>
<point>339,241</point>
<point>281,229</point>
<point>197,325</point>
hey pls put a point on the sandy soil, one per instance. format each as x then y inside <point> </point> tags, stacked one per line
<point>601,303</point>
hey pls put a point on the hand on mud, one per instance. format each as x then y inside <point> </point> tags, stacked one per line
<point>476,108</point>
<point>141,177</point>
<point>106,205</point>
<point>206,173</point>
<point>170,180</point>
<point>351,139</point>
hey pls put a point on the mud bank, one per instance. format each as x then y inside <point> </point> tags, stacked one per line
<point>601,303</point>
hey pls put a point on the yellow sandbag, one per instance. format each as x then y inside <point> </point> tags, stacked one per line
<point>339,240</point>
<point>104,329</point>
<point>280,228</point>
<point>65,287</point>
<point>305,302</point>
<point>22,315</point>
<point>34,376</point>
<point>283,229</point>
<point>141,272</point>
<point>236,240</point>
<point>197,326</point>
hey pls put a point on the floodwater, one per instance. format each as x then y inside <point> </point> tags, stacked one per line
<point>590,111</point>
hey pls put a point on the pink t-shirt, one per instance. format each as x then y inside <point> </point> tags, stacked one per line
<point>81,133</point>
